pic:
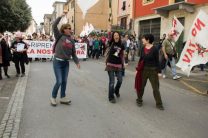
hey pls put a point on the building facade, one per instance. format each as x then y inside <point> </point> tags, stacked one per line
<point>32,28</point>
<point>58,11</point>
<point>155,16</point>
<point>125,14</point>
<point>113,13</point>
<point>70,4</point>
<point>97,15</point>
<point>47,24</point>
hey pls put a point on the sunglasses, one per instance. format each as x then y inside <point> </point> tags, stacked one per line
<point>68,28</point>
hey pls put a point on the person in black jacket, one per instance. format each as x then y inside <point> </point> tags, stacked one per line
<point>6,57</point>
<point>19,49</point>
<point>114,66</point>
<point>150,57</point>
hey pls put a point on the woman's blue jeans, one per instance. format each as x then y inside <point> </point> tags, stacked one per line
<point>61,70</point>
<point>112,90</point>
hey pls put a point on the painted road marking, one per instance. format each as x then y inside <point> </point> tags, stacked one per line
<point>4,98</point>
<point>195,80</point>
<point>193,88</point>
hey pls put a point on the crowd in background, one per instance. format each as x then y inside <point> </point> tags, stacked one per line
<point>96,46</point>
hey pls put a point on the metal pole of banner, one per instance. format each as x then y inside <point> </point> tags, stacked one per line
<point>74,16</point>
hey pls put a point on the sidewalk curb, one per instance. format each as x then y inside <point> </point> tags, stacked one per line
<point>9,125</point>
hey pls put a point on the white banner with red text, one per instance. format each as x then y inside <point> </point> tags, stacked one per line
<point>81,50</point>
<point>177,28</point>
<point>195,51</point>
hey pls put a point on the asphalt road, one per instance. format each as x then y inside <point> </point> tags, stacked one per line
<point>91,115</point>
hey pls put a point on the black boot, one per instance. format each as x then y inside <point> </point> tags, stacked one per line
<point>0,74</point>
<point>117,92</point>
<point>139,100</point>
<point>5,72</point>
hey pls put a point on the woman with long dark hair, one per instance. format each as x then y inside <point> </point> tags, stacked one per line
<point>114,65</point>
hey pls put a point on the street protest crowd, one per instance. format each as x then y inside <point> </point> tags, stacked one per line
<point>118,50</point>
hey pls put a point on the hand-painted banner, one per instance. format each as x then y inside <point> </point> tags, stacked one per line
<point>43,49</point>
<point>81,50</point>
<point>196,49</point>
<point>39,49</point>
<point>177,28</point>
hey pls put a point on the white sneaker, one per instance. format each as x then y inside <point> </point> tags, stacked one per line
<point>176,77</point>
<point>65,100</point>
<point>163,76</point>
<point>53,101</point>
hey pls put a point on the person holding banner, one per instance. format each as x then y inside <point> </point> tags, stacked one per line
<point>63,49</point>
<point>149,70</point>
<point>19,48</point>
<point>170,54</point>
<point>115,65</point>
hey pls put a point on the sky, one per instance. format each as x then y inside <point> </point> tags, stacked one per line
<point>41,7</point>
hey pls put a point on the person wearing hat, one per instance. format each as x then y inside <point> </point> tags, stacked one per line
<point>64,49</point>
<point>19,49</point>
<point>170,55</point>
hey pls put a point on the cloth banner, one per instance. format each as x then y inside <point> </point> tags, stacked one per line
<point>195,51</point>
<point>40,49</point>
<point>43,49</point>
<point>177,28</point>
<point>81,50</point>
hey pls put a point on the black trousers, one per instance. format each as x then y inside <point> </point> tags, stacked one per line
<point>19,62</point>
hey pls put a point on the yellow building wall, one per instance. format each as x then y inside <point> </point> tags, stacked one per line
<point>96,15</point>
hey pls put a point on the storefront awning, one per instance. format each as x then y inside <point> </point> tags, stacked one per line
<point>164,11</point>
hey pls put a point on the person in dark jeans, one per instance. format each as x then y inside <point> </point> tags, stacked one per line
<point>114,66</point>
<point>63,50</point>
<point>96,48</point>
<point>19,49</point>
<point>150,58</point>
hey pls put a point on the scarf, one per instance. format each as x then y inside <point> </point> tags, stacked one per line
<point>138,78</point>
<point>1,61</point>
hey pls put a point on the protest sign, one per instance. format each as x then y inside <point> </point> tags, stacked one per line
<point>81,50</point>
<point>177,28</point>
<point>195,51</point>
<point>40,49</point>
